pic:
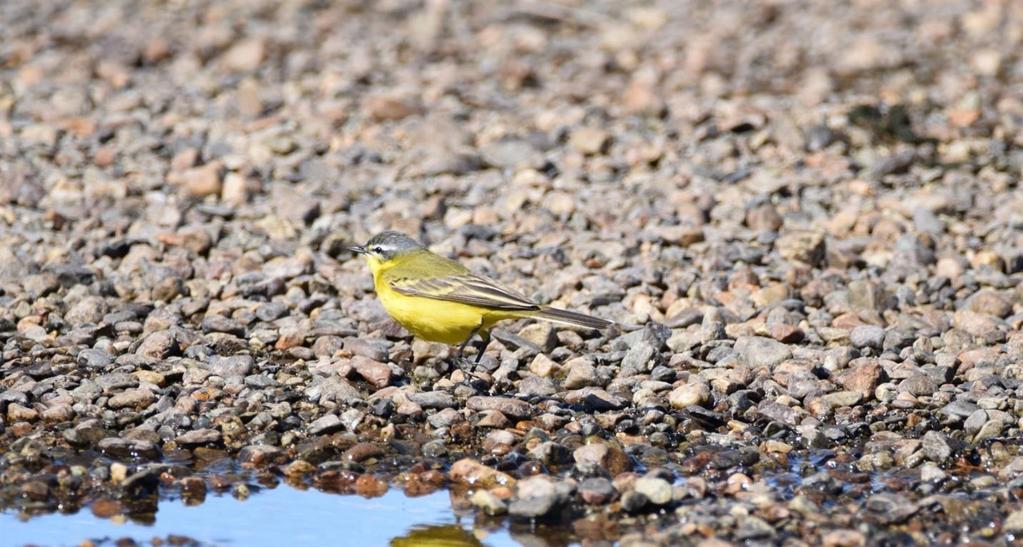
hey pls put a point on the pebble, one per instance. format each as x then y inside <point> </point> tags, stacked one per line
<point>758,351</point>
<point>657,491</point>
<point>376,373</point>
<point>867,336</point>
<point>132,398</point>
<point>488,503</point>
<point>596,491</point>
<point>597,455</point>
<point>697,393</point>
<point>534,497</point>
<point>198,437</point>
<point>326,424</point>
<point>505,405</point>
<point>581,373</point>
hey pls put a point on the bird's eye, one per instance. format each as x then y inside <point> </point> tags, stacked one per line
<point>378,249</point>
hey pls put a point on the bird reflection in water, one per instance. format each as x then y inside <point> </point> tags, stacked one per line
<point>437,536</point>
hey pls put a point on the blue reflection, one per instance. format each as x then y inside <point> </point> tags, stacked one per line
<point>279,516</point>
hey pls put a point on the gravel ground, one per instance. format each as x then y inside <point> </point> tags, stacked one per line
<point>805,217</point>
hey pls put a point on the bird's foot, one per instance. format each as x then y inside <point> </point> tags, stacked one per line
<point>465,376</point>
<point>464,364</point>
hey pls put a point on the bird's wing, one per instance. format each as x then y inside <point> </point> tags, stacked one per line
<point>464,288</point>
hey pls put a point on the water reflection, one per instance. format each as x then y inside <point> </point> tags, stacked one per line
<point>437,536</point>
<point>276,516</point>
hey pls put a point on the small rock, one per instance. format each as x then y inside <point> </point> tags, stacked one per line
<point>470,472</point>
<point>594,399</point>
<point>328,423</point>
<point>864,295</point>
<point>198,437</point>
<point>867,336</point>
<point>863,378</point>
<point>19,413</point>
<point>581,373</point>
<point>656,490</point>
<point>369,486</point>
<point>158,345</point>
<point>989,302</point>
<point>639,359</point>
<point>598,455</point>
<point>936,447</point>
<point>258,454</point>
<point>930,472</point>
<point>389,107</point>
<point>118,472</point>
<point>696,393</point>
<point>105,508</point>
<point>919,384</point>
<point>511,154</point>
<point>589,140</point>
<point>802,246</point>
<point>433,399</point>
<point>1014,522</point>
<point>95,358</point>
<point>231,366</point>
<point>843,398</point>
<point>758,351</point>
<point>487,502</point>
<point>374,372</point>
<point>534,497</point>
<point>133,398</point>
<point>597,491</point>
<point>246,55</point>
<point>199,182</point>
<point>540,334</point>
<point>505,405</point>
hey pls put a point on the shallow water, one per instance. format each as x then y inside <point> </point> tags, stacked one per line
<point>278,516</point>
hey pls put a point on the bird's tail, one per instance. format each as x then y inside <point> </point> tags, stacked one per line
<point>571,318</point>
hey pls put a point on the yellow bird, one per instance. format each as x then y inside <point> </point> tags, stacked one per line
<point>440,300</point>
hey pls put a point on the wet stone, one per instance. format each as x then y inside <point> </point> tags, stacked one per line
<point>198,437</point>
<point>596,491</point>
<point>326,424</point>
<point>657,491</point>
<point>596,456</point>
<point>534,497</point>
<point>488,503</point>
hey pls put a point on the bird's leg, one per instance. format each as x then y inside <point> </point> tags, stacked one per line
<point>471,378</point>
<point>485,336</point>
<point>461,348</point>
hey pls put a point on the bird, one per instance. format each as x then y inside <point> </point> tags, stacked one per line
<point>439,300</point>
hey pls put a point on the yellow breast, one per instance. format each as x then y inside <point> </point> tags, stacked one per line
<point>427,318</point>
<point>434,320</point>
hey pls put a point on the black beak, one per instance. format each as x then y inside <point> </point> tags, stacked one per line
<point>357,249</point>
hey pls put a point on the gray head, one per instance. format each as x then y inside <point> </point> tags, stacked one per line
<point>386,245</point>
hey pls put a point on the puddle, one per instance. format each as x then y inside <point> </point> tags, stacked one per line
<point>277,516</point>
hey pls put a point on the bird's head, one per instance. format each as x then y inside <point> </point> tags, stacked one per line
<point>385,247</point>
